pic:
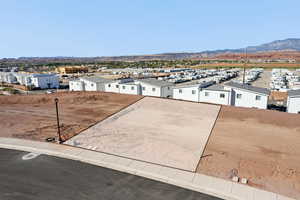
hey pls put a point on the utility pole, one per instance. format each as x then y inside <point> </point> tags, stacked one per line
<point>57,119</point>
<point>245,60</point>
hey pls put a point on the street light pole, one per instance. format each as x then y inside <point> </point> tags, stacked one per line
<point>245,60</point>
<point>57,119</point>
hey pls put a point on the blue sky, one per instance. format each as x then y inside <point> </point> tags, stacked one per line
<point>119,27</point>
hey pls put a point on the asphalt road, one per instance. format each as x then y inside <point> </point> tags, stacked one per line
<point>47,177</point>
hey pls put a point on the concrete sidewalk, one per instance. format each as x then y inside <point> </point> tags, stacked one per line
<point>193,181</point>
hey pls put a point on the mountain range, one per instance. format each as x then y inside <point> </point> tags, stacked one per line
<point>290,47</point>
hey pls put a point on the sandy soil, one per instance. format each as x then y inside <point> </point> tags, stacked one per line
<point>34,117</point>
<point>263,146</point>
<point>162,131</point>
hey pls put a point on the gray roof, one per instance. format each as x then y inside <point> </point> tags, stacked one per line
<point>217,88</point>
<point>187,86</point>
<point>156,82</point>
<point>129,83</point>
<point>293,93</point>
<point>96,79</point>
<point>199,85</point>
<point>42,75</point>
<point>248,87</point>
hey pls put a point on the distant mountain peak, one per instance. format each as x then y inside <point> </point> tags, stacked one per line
<point>277,45</point>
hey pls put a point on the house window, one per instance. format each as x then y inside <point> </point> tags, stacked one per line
<point>123,87</point>
<point>92,84</point>
<point>132,88</point>
<point>222,95</point>
<point>193,91</point>
<point>109,85</point>
<point>153,89</point>
<point>117,86</point>
<point>143,88</point>
<point>206,94</point>
<point>238,96</point>
<point>257,98</point>
<point>180,90</point>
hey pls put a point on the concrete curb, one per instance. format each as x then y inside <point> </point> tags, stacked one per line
<point>201,183</point>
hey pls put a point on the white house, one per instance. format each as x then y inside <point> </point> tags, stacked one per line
<point>92,83</point>
<point>45,81</point>
<point>76,85</point>
<point>8,77</point>
<point>130,88</point>
<point>190,92</point>
<point>42,81</point>
<point>248,96</point>
<point>24,79</point>
<point>114,86</point>
<point>293,101</point>
<point>153,87</point>
<point>187,92</point>
<point>215,94</point>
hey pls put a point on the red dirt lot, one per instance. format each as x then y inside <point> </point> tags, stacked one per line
<point>261,145</point>
<point>34,117</point>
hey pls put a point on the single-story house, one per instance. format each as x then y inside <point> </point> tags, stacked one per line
<point>130,88</point>
<point>92,83</point>
<point>45,81</point>
<point>154,87</point>
<point>244,95</point>
<point>293,101</point>
<point>114,86</point>
<point>215,94</point>
<point>190,92</point>
<point>76,85</point>
<point>42,81</point>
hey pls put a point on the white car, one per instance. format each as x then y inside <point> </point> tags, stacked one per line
<point>50,91</point>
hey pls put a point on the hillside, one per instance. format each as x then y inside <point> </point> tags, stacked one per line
<point>279,49</point>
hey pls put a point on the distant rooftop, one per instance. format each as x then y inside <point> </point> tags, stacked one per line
<point>292,93</point>
<point>217,88</point>
<point>96,79</point>
<point>41,75</point>
<point>199,85</point>
<point>248,87</point>
<point>156,82</point>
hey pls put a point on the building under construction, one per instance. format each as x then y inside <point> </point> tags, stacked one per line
<point>72,69</point>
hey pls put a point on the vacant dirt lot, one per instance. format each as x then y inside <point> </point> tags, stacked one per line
<point>263,146</point>
<point>156,130</point>
<point>34,117</point>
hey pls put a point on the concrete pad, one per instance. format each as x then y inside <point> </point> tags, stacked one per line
<point>137,165</point>
<point>261,194</point>
<point>202,181</point>
<point>160,131</point>
<point>124,161</point>
<point>151,168</point>
<point>185,176</point>
<point>168,172</point>
<point>280,197</point>
<point>242,192</point>
<point>93,156</point>
<point>110,159</point>
<point>221,186</point>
